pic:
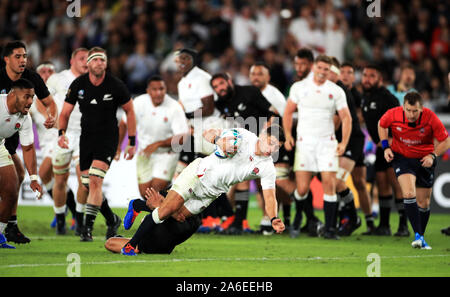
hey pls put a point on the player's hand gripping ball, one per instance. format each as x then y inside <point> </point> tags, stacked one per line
<point>228,144</point>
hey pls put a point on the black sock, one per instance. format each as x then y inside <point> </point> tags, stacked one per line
<point>330,210</point>
<point>424,215</point>
<point>241,202</point>
<point>349,208</point>
<point>79,219</point>
<point>308,207</point>
<point>90,215</point>
<point>403,220</point>
<point>143,229</point>
<point>412,211</point>
<point>140,205</point>
<point>70,202</point>
<point>60,219</point>
<point>224,207</point>
<point>385,209</point>
<point>287,214</point>
<point>369,220</point>
<point>107,212</point>
<point>12,220</point>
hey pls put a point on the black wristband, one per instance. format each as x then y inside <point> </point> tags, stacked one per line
<point>274,218</point>
<point>132,140</point>
<point>215,139</point>
<point>433,155</point>
<point>61,132</point>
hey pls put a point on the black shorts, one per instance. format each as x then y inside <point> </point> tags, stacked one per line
<point>187,154</point>
<point>283,155</point>
<point>11,143</point>
<point>380,162</point>
<point>424,176</point>
<point>96,148</point>
<point>164,237</point>
<point>355,149</point>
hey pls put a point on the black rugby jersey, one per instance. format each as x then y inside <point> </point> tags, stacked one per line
<point>98,104</point>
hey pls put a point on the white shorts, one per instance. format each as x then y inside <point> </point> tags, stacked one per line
<point>5,157</point>
<point>159,165</point>
<point>188,186</point>
<point>316,154</point>
<point>48,149</point>
<point>62,156</point>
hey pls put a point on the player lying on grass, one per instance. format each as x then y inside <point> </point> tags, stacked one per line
<point>240,155</point>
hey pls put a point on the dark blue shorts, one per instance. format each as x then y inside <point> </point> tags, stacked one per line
<point>424,176</point>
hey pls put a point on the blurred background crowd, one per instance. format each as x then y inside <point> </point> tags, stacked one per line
<point>141,36</point>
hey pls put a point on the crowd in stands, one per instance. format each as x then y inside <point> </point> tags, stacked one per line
<point>141,36</point>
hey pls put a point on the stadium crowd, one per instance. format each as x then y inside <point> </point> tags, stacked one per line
<point>140,37</point>
<point>409,44</point>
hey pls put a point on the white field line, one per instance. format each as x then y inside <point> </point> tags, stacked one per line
<point>297,259</point>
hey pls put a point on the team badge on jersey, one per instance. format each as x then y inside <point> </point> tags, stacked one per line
<point>330,96</point>
<point>255,171</point>
<point>17,127</point>
<point>166,119</point>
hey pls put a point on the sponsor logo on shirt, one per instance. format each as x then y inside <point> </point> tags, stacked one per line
<point>93,101</point>
<point>399,129</point>
<point>373,105</point>
<point>8,120</point>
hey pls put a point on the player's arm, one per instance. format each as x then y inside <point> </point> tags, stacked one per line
<point>346,120</point>
<point>287,124</point>
<point>211,135</point>
<point>29,158</point>
<point>131,129</point>
<point>270,201</point>
<point>208,105</point>
<point>383,133</point>
<point>122,130</point>
<point>52,111</point>
<point>441,142</point>
<point>63,122</point>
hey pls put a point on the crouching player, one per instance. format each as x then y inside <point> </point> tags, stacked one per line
<point>240,155</point>
<point>413,155</point>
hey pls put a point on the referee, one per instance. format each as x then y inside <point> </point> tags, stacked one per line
<point>16,57</point>
<point>99,95</point>
<point>413,154</point>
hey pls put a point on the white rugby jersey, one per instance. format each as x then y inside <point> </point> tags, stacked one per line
<point>275,97</point>
<point>218,175</point>
<point>194,86</point>
<point>316,106</point>
<point>58,84</point>
<point>11,123</point>
<point>155,123</point>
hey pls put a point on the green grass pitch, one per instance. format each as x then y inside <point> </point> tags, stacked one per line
<point>227,256</point>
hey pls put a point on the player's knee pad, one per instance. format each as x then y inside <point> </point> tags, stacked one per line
<point>85,180</point>
<point>282,172</point>
<point>94,171</point>
<point>61,171</point>
<point>342,174</point>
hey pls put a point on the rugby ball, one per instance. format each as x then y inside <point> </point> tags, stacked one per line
<point>235,139</point>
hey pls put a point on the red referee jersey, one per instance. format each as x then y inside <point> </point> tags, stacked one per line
<point>413,142</point>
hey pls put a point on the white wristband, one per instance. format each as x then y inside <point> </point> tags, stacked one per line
<point>155,216</point>
<point>33,177</point>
